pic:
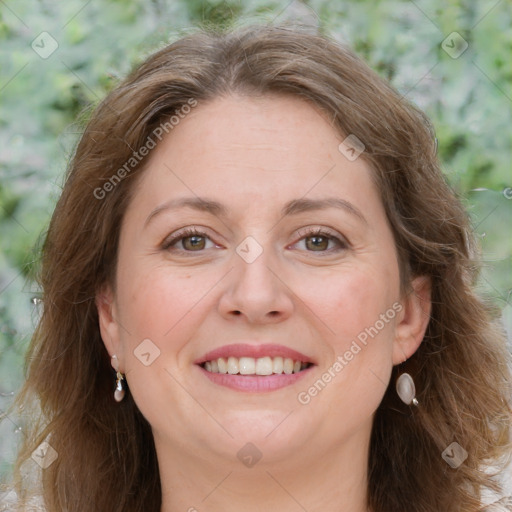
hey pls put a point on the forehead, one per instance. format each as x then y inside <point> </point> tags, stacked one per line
<point>241,150</point>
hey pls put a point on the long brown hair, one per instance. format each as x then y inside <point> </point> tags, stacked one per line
<point>106,456</point>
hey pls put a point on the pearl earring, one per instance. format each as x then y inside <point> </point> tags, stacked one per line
<point>119,392</point>
<point>406,389</point>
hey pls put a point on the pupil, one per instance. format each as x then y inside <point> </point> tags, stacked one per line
<point>317,243</point>
<point>194,242</point>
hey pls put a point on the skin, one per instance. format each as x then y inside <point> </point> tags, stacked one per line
<point>254,155</point>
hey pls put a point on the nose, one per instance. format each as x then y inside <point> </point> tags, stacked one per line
<point>256,293</point>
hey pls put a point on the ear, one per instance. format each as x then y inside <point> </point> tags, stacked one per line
<point>412,323</point>
<point>107,315</point>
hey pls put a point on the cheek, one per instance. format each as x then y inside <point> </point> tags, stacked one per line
<point>357,310</point>
<point>357,307</point>
<point>154,302</point>
<point>350,301</point>
<point>166,308</point>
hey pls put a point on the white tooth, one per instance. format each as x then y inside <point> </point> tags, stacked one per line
<point>232,365</point>
<point>288,366</point>
<point>215,366</point>
<point>296,367</point>
<point>277,365</point>
<point>264,366</point>
<point>247,365</point>
<point>208,366</point>
<point>222,365</point>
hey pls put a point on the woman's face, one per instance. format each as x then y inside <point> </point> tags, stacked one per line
<point>253,244</point>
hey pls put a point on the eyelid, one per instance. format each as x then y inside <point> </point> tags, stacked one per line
<point>342,241</point>
<point>321,230</point>
<point>304,232</point>
<point>185,232</point>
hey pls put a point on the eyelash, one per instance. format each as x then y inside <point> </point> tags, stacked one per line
<point>305,233</point>
<point>181,235</point>
<point>341,242</point>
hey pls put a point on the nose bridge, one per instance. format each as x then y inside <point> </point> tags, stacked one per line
<point>255,290</point>
<point>256,276</point>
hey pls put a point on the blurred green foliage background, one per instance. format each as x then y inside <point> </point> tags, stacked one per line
<point>468,97</point>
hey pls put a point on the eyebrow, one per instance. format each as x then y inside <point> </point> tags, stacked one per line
<point>306,205</point>
<point>196,203</point>
<point>293,207</point>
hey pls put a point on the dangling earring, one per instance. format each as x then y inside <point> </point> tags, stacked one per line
<point>119,392</point>
<point>406,389</point>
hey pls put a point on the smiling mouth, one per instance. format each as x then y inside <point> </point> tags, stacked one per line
<point>262,366</point>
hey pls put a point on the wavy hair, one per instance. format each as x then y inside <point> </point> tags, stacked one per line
<point>106,455</point>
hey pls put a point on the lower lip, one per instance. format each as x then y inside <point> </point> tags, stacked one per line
<point>255,383</point>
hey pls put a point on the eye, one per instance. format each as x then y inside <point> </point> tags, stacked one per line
<point>189,240</point>
<point>320,240</point>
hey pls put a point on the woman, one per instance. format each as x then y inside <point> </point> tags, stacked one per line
<point>257,293</point>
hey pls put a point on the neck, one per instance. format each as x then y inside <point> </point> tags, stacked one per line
<point>334,479</point>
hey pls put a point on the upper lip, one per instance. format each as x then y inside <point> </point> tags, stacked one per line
<point>256,351</point>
